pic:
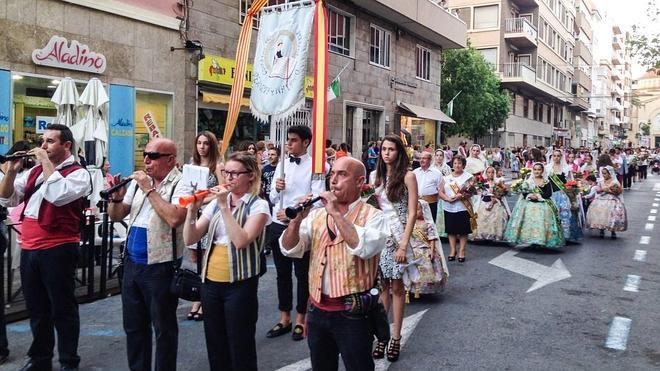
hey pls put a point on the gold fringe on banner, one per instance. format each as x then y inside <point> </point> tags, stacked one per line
<point>238,87</point>
<point>319,111</point>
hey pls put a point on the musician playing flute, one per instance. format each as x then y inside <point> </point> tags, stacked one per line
<point>54,193</point>
<point>151,199</point>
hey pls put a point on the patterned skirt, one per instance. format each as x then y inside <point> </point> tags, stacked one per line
<point>432,270</point>
<point>534,223</point>
<point>389,268</point>
<point>440,220</point>
<point>570,220</point>
<point>607,212</point>
<point>490,223</point>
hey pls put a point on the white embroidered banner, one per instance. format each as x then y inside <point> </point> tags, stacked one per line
<point>280,62</point>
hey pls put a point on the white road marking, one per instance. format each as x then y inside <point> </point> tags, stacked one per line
<point>654,204</point>
<point>640,255</point>
<point>542,274</point>
<point>632,283</point>
<point>644,240</point>
<point>648,226</point>
<point>617,338</point>
<point>407,328</point>
<point>654,211</point>
<point>656,199</point>
<point>651,218</point>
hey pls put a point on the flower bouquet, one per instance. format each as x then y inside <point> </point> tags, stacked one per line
<point>524,172</point>
<point>368,195</point>
<point>500,190</point>
<point>572,190</point>
<point>521,186</point>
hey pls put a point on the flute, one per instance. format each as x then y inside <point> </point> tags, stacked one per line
<point>4,159</point>
<point>105,194</point>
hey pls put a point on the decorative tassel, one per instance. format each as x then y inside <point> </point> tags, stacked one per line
<point>407,296</point>
<point>416,291</point>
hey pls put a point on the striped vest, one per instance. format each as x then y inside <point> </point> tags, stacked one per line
<point>243,263</point>
<point>348,273</point>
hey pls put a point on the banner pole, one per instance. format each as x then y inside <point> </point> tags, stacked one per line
<point>282,156</point>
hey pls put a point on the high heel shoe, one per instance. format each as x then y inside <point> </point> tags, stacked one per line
<point>394,349</point>
<point>461,260</point>
<point>379,352</point>
<point>451,258</point>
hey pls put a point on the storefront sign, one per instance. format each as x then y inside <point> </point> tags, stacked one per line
<point>151,125</point>
<point>5,114</point>
<point>42,122</point>
<point>221,71</point>
<point>122,129</point>
<point>58,53</point>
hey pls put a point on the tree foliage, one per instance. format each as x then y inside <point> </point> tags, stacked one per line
<point>645,128</point>
<point>645,41</point>
<point>482,106</point>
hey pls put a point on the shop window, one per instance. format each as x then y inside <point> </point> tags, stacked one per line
<point>380,47</point>
<point>247,127</point>
<point>423,62</point>
<point>340,31</point>
<point>486,17</point>
<point>32,107</point>
<point>151,108</point>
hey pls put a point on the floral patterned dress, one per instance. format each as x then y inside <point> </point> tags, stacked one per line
<point>569,216</point>
<point>607,212</point>
<point>427,248</point>
<point>535,222</point>
<point>492,217</point>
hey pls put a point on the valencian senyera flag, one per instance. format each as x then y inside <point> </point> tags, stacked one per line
<point>280,62</point>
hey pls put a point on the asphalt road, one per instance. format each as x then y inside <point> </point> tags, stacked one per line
<point>484,320</point>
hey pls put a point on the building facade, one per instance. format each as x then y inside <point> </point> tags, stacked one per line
<point>390,54</point>
<point>125,44</point>
<point>646,112</point>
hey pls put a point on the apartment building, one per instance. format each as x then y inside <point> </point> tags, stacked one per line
<point>646,90</point>
<point>391,84</point>
<point>532,44</point>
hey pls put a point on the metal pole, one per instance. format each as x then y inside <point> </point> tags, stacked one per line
<point>89,241</point>
<point>282,157</point>
<point>104,248</point>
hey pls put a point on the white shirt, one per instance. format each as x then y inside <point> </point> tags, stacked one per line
<point>371,240</point>
<point>456,206</point>
<point>259,206</point>
<point>57,189</point>
<point>428,181</point>
<point>298,183</point>
<point>143,217</point>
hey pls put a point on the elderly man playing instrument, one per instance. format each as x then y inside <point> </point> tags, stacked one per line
<point>346,236</point>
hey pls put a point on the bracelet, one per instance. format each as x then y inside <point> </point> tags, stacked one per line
<point>149,192</point>
<point>117,201</point>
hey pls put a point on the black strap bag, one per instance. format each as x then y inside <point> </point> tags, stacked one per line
<point>186,284</point>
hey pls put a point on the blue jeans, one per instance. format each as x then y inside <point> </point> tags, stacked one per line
<point>332,333</point>
<point>230,322</point>
<point>48,283</point>
<point>146,302</point>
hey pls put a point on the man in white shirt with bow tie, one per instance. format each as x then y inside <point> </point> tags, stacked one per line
<point>297,182</point>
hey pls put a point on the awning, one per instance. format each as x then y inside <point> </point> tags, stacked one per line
<point>221,98</point>
<point>426,113</point>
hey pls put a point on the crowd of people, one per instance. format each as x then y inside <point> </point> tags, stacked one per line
<point>358,251</point>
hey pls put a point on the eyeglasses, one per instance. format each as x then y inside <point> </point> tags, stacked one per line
<point>233,174</point>
<point>155,155</point>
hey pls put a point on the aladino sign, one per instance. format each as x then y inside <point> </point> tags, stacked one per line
<point>77,56</point>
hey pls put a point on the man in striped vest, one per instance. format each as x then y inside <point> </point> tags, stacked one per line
<point>345,239</point>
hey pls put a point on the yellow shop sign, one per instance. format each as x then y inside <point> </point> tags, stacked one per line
<point>221,70</point>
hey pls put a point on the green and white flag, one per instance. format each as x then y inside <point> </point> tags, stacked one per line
<point>334,90</point>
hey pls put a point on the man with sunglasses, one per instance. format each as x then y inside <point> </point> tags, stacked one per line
<point>54,193</point>
<point>154,226</point>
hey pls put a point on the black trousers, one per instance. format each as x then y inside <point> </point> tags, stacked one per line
<point>332,333</point>
<point>434,210</point>
<point>627,178</point>
<point>146,303</point>
<point>4,344</point>
<point>284,267</point>
<point>230,323</point>
<point>48,283</point>
<point>643,170</point>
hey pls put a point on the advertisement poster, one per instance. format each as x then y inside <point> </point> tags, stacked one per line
<point>5,111</point>
<point>122,128</point>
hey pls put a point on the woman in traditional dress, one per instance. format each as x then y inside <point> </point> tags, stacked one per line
<point>607,211</point>
<point>396,192</point>
<point>588,167</point>
<point>441,164</point>
<point>559,173</point>
<point>492,214</point>
<point>428,251</point>
<point>534,219</point>
<point>457,207</point>
<point>475,164</point>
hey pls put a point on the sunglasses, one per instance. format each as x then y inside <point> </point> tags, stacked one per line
<point>155,155</point>
<point>233,174</point>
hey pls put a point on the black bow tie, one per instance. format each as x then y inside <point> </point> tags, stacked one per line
<point>295,159</point>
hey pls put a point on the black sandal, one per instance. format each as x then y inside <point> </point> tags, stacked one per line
<point>394,349</point>
<point>191,315</point>
<point>379,352</point>
<point>451,258</point>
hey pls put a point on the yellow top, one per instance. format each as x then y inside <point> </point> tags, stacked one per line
<point>218,264</point>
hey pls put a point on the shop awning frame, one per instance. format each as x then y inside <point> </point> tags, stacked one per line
<point>426,113</point>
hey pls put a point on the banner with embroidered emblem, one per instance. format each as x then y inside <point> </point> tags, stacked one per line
<point>278,76</point>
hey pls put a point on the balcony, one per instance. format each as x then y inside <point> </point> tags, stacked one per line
<point>526,3</point>
<point>580,103</point>
<point>616,58</point>
<point>423,18</point>
<point>616,43</point>
<point>582,78</point>
<point>602,130</point>
<point>520,32</point>
<point>519,75</point>
<point>617,91</point>
<point>582,50</point>
<point>626,104</point>
<point>518,72</point>
<point>616,74</point>
<point>583,23</point>
<point>615,121</point>
<point>616,106</point>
